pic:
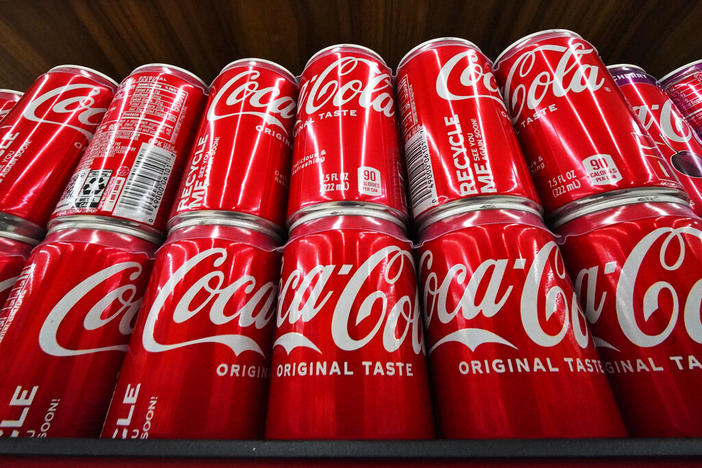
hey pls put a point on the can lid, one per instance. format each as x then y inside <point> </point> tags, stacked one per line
<point>608,200</point>
<point>680,71</point>
<point>14,227</point>
<point>225,218</point>
<point>625,65</point>
<point>467,205</point>
<point>528,38</point>
<point>11,91</point>
<point>104,223</point>
<point>434,43</point>
<point>336,209</point>
<point>197,79</point>
<point>357,47</point>
<point>84,69</point>
<point>266,63</point>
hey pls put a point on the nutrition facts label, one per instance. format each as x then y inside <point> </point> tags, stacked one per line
<point>153,109</point>
<point>688,98</point>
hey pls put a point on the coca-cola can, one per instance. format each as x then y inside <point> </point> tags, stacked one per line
<point>66,327</point>
<point>240,160</point>
<point>348,356</point>
<point>132,167</point>
<point>346,149</point>
<point>635,267</point>
<point>684,86</point>
<point>199,358</point>
<point>661,118</point>
<point>8,99</point>
<point>580,138</point>
<point>13,256</point>
<point>504,326</point>
<point>459,141</point>
<point>42,139</point>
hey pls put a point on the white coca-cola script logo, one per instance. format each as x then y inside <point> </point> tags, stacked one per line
<point>256,311</point>
<point>78,104</point>
<point>492,277</point>
<point>670,256</point>
<point>571,75</point>
<point>372,90</point>
<point>474,75</point>
<point>124,295</point>
<point>673,125</point>
<point>244,91</point>
<point>305,292</point>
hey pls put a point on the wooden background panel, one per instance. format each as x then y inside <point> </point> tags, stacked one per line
<point>115,36</point>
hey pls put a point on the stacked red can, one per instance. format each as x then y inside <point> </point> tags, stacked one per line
<point>346,149</point>
<point>348,357</point>
<point>44,136</point>
<point>502,319</point>
<point>635,263</point>
<point>198,363</point>
<point>684,86</point>
<point>580,138</point>
<point>660,117</point>
<point>68,319</point>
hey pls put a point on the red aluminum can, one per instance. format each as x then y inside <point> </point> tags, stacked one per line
<point>346,148</point>
<point>198,362</point>
<point>42,138</point>
<point>13,256</point>
<point>66,327</point>
<point>660,117</point>
<point>579,136</point>
<point>459,141</point>
<point>504,326</point>
<point>636,268</point>
<point>240,160</point>
<point>684,86</point>
<point>8,99</point>
<point>348,356</point>
<point>132,167</point>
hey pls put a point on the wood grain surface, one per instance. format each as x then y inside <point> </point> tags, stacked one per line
<point>115,36</point>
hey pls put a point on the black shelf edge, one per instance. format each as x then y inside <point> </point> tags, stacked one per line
<point>425,449</point>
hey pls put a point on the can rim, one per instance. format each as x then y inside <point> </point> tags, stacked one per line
<point>104,223</point>
<point>528,37</point>
<point>627,65</point>
<point>468,205</point>
<point>414,51</point>
<point>329,210</point>
<point>342,205</point>
<point>173,67</point>
<point>615,199</point>
<point>225,218</point>
<point>11,91</point>
<point>679,70</point>
<point>365,49</point>
<point>284,71</point>
<point>84,68</point>
<point>23,230</point>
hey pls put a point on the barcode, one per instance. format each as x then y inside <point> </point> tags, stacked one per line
<point>94,186</point>
<point>142,194</point>
<point>422,189</point>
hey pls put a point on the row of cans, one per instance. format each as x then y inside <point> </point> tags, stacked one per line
<point>610,151</point>
<point>348,357</point>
